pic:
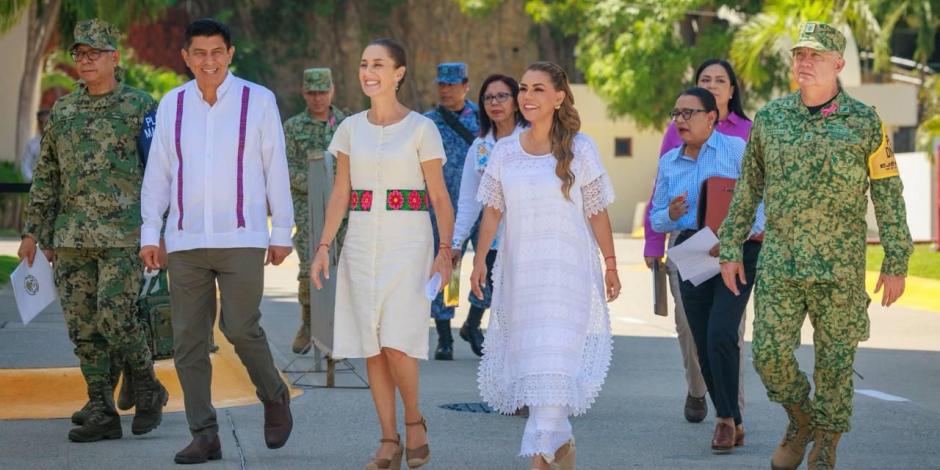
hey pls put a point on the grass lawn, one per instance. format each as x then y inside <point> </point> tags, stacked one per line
<point>7,265</point>
<point>924,262</point>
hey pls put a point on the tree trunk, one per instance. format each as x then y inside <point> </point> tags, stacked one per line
<point>41,17</point>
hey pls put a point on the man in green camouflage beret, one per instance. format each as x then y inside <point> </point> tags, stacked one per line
<point>812,157</point>
<point>84,209</point>
<point>307,136</point>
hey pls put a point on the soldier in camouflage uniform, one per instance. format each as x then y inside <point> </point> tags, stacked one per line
<point>457,119</point>
<point>307,136</point>
<point>85,210</point>
<point>812,157</point>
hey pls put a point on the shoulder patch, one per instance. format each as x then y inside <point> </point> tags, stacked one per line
<point>881,163</point>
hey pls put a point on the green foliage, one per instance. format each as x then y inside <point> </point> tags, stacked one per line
<point>925,262</point>
<point>120,13</point>
<point>7,265</point>
<point>153,80</point>
<point>478,8</point>
<point>634,56</point>
<point>9,173</point>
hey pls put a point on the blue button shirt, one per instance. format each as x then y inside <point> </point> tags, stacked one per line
<point>721,155</point>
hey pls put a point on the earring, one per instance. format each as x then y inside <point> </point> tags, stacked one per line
<point>557,107</point>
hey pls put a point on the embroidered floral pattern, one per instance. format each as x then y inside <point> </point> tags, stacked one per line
<point>414,200</point>
<point>395,200</point>
<point>483,155</point>
<point>360,200</point>
<point>406,200</point>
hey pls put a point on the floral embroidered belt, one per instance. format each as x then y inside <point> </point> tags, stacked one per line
<point>395,200</point>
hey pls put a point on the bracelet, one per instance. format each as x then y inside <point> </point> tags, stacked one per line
<point>611,269</point>
<point>322,245</point>
<point>610,257</point>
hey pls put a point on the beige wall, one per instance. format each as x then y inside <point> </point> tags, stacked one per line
<point>13,45</point>
<point>632,176</point>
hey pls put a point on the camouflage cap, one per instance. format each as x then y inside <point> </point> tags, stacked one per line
<point>821,37</point>
<point>318,79</point>
<point>97,34</point>
<point>451,72</point>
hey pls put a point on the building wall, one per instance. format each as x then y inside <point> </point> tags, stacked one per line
<point>632,176</point>
<point>13,43</point>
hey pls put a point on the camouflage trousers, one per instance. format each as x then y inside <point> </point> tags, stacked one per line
<point>98,289</point>
<point>839,315</point>
<point>303,246</point>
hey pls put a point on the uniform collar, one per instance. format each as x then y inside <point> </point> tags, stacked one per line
<point>838,106</point>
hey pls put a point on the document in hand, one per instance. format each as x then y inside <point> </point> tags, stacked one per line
<point>33,287</point>
<point>692,258</point>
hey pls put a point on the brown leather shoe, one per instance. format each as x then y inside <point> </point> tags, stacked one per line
<point>739,435</point>
<point>696,409</point>
<point>201,449</point>
<point>723,440</point>
<point>278,421</point>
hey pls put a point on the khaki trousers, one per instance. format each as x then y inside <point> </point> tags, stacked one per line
<point>240,276</point>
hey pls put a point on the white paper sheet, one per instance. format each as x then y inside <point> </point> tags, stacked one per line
<point>433,286</point>
<point>33,287</point>
<point>692,259</point>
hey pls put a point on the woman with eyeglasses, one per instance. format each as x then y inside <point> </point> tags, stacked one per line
<point>501,118</point>
<point>714,313</point>
<point>549,342</point>
<point>718,77</point>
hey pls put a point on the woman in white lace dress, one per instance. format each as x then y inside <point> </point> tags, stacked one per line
<point>549,341</point>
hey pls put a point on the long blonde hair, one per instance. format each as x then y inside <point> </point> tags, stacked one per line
<point>565,125</point>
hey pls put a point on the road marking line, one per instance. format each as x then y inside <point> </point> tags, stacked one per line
<point>881,395</point>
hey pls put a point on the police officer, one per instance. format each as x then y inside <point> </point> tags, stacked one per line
<point>307,136</point>
<point>812,156</point>
<point>456,119</point>
<point>84,210</point>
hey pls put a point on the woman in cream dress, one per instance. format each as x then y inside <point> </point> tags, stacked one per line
<point>389,172</point>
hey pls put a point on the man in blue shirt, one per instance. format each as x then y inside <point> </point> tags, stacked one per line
<point>456,119</point>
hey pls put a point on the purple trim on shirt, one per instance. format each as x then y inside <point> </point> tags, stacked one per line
<point>179,157</point>
<point>242,124</point>
<point>734,125</point>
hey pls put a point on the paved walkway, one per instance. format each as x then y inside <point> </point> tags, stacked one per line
<point>636,423</point>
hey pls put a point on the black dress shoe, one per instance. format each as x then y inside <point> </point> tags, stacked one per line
<point>474,336</point>
<point>696,409</point>
<point>444,352</point>
<point>201,449</point>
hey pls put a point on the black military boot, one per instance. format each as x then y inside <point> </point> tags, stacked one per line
<point>445,341</point>
<point>151,397</point>
<point>470,331</point>
<point>101,421</point>
<point>79,416</point>
<point>126,395</point>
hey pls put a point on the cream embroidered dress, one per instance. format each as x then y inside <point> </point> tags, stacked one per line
<point>388,249</point>
<point>549,340</point>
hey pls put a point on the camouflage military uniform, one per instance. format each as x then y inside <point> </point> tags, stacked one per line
<point>306,138</point>
<point>813,172</point>
<point>85,203</point>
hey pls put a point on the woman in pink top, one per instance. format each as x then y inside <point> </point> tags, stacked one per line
<point>716,76</point>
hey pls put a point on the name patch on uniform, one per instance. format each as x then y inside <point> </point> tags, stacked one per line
<point>881,163</point>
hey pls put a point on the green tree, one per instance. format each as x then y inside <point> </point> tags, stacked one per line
<point>43,17</point>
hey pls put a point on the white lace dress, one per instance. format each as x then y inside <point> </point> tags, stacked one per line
<point>549,340</point>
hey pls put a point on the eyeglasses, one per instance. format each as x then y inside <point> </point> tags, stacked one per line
<point>685,113</point>
<point>91,54</point>
<point>498,98</point>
